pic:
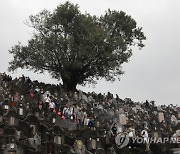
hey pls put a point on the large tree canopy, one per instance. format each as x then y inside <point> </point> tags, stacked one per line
<point>78,48</point>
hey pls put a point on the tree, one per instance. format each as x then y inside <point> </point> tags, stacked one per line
<point>78,48</point>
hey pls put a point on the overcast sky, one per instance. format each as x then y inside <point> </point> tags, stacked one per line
<point>152,73</point>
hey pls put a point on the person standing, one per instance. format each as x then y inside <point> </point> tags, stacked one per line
<point>145,136</point>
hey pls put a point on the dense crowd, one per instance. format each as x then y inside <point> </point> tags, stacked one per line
<point>79,115</point>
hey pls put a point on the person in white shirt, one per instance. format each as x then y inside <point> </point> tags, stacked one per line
<point>131,134</point>
<point>47,100</point>
<point>86,121</point>
<point>145,136</point>
<point>51,106</point>
<point>132,131</point>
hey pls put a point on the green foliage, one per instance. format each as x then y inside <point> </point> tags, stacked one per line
<point>76,47</point>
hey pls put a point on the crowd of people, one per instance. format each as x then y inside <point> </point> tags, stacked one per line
<point>87,111</point>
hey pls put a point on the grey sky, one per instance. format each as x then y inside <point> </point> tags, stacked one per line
<point>152,73</point>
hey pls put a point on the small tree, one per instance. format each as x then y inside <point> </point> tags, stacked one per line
<point>78,48</point>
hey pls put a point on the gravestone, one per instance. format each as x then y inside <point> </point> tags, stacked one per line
<point>12,118</point>
<point>6,105</point>
<point>161,116</point>
<point>35,141</point>
<point>58,135</point>
<point>33,123</point>
<point>122,119</point>
<point>58,139</point>
<point>156,135</point>
<point>119,128</point>
<point>174,120</point>
<point>21,110</point>
<point>11,147</point>
<point>18,134</point>
<point>138,107</point>
<point>91,144</point>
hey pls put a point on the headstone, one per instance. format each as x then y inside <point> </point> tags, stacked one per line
<point>161,116</point>
<point>156,135</point>
<point>12,118</point>
<point>119,128</point>
<point>11,147</point>
<point>97,124</point>
<point>33,124</point>
<point>174,120</point>
<point>35,141</point>
<point>58,139</point>
<point>134,109</point>
<point>18,134</point>
<point>21,111</point>
<point>33,128</point>
<point>92,144</point>
<point>138,107</point>
<point>6,107</point>
<point>31,142</point>
<point>122,119</point>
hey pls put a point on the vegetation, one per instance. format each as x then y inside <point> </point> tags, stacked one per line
<point>78,48</point>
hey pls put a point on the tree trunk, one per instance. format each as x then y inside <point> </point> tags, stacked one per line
<point>69,85</point>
